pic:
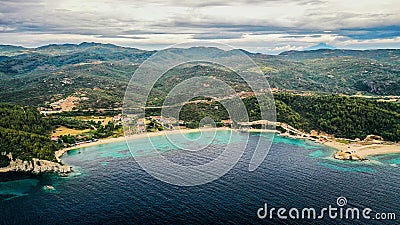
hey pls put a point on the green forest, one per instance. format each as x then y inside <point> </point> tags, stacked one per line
<point>344,117</point>
<point>26,133</point>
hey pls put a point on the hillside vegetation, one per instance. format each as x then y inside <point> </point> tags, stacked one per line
<point>99,73</point>
<point>341,116</point>
<point>25,133</point>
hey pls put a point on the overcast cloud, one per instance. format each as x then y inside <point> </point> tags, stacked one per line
<point>269,26</point>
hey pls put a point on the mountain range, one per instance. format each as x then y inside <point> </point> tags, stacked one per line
<point>101,72</point>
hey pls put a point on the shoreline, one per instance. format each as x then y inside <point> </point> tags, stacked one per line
<point>378,149</point>
<point>63,169</point>
<point>36,166</point>
<point>358,150</point>
<point>60,153</point>
<point>354,151</point>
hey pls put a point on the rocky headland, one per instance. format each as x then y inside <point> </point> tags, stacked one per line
<point>36,166</point>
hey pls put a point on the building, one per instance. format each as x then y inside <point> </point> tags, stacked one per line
<point>226,122</point>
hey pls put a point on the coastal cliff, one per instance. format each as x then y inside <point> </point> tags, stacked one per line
<point>36,166</point>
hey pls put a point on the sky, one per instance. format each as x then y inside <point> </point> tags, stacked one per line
<point>266,26</point>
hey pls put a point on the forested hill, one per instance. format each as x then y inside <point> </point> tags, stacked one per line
<point>341,116</point>
<point>25,133</point>
<point>344,117</point>
<point>99,73</point>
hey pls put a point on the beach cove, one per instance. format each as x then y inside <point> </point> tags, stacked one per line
<point>351,151</point>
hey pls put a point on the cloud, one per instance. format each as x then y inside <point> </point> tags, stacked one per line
<point>216,36</point>
<point>121,37</point>
<point>385,32</point>
<point>263,25</point>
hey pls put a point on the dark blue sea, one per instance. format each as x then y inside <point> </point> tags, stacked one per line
<point>109,187</point>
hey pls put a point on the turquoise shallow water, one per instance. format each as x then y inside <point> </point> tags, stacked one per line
<point>391,159</point>
<point>17,188</point>
<point>395,160</point>
<point>109,187</point>
<point>348,168</point>
<point>297,142</point>
<point>318,153</point>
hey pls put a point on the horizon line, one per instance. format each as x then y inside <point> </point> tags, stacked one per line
<point>159,49</point>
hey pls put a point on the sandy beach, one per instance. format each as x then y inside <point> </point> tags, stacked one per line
<point>377,149</point>
<point>361,150</point>
<point>336,145</point>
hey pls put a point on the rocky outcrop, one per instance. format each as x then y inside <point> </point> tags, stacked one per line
<point>342,155</point>
<point>36,166</point>
<point>373,138</point>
